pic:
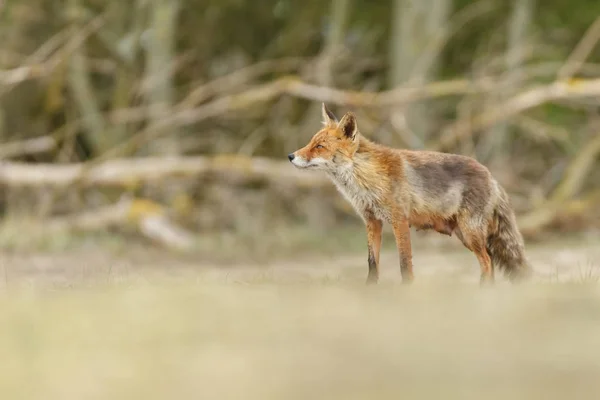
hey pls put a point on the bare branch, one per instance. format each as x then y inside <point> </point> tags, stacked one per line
<point>17,75</point>
<point>27,146</point>
<point>578,170</point>
<point>148,217</point>
<point>561,201</point>
<point>290,86</point>
<point>20,74</point>
<point>227,83</point>
<point>581,52</point>
<point>531,98</point>
<point>541,217</point>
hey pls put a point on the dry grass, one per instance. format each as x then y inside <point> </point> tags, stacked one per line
<point>197,339</point>
<point>101,319</point>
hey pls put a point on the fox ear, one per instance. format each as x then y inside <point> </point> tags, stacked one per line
<point>348,126</point>
<point>328,117</point>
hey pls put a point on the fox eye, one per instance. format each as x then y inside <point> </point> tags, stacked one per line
<point>319,146</point>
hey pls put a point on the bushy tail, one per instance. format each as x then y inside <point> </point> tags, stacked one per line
<point>505,242</point>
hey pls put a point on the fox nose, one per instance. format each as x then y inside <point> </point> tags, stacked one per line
<point>291,156</point>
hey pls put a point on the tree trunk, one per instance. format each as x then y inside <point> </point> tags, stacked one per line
<point>340,11</point>
<point>82,89</point>
<point>160,55</point>
<point>498,145</point>
<point>414,24</point>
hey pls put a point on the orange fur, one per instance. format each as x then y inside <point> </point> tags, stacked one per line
<point>451,194</point>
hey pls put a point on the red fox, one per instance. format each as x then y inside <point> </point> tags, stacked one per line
<point>449,193</point>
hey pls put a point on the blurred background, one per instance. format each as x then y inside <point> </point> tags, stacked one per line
<point>168,122</point>
<point>144,141</point>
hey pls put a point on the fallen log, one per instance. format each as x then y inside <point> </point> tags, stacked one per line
<point>125,172</point>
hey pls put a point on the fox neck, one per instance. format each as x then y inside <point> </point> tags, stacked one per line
<point>360,180</point>
<point>361,169</point>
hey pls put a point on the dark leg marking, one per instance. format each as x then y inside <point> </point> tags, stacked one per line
<point>373,274</point>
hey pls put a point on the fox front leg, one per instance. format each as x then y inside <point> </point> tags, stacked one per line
<point>402,234</point>
<point>374,228</point>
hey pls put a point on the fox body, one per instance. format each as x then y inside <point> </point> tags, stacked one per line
<point>451,194</point>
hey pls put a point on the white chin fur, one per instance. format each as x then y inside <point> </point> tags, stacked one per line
<point>314,163</point>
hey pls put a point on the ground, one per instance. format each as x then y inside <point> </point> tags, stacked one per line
<point>137,322</point>
<point>435,257</point>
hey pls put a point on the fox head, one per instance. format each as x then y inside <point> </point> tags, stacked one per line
<point>331,147</point>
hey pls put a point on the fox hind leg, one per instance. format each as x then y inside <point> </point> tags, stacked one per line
<point>487,271</point>
<point>475,241</point>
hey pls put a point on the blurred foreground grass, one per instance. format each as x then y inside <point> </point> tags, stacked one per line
<point>186,338</point>
<point>287,316</point>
